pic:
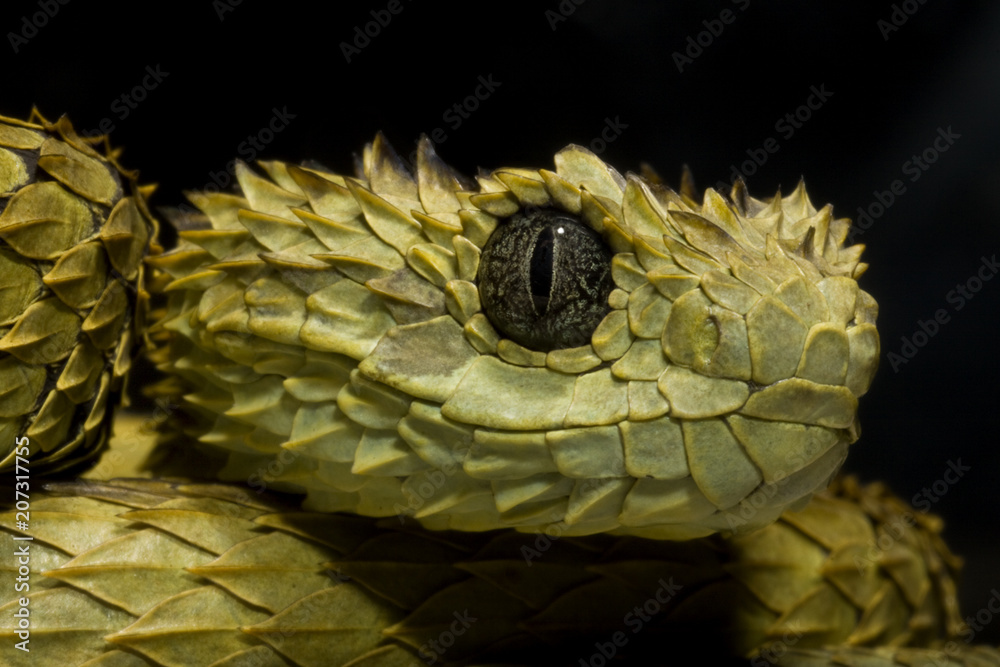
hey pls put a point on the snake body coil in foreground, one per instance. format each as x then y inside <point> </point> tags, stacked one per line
<point>595,359</point>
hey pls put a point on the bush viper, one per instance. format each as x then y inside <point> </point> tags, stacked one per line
<point>598,361</point>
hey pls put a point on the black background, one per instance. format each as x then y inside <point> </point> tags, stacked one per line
<point>559,81</point>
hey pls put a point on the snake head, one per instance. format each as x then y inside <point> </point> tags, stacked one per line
<point>566,349</point>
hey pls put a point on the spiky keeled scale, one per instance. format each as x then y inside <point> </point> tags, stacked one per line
<point>735,323</point>
<point>955,655</point>
<point>227,577</point>
<point>74,229</point>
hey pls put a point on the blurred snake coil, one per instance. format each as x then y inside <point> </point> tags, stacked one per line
<point>543,416</point>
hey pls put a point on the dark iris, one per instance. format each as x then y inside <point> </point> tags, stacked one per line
<point>544,279</point>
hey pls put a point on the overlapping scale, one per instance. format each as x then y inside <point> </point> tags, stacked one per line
<point>726,371</point>
<point>74,229</point>
<point>230,577</point>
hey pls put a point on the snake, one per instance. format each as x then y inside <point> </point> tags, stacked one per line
<point>539,416</point>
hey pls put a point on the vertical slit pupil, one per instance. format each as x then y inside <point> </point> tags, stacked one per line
<point>541,269</point>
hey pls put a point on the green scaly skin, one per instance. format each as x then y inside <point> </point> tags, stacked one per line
<point>74,229</point>
<point>145,572</point>
<point>331,332</point>
<point>333,341</point>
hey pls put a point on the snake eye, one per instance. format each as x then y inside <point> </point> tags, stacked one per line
<point>544,279</point>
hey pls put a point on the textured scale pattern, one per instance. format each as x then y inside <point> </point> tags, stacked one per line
<point>230,578</point>
<point>329,339</point>
<point>74,230</point>
<point>331,335</point>
<point>960,656</point>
